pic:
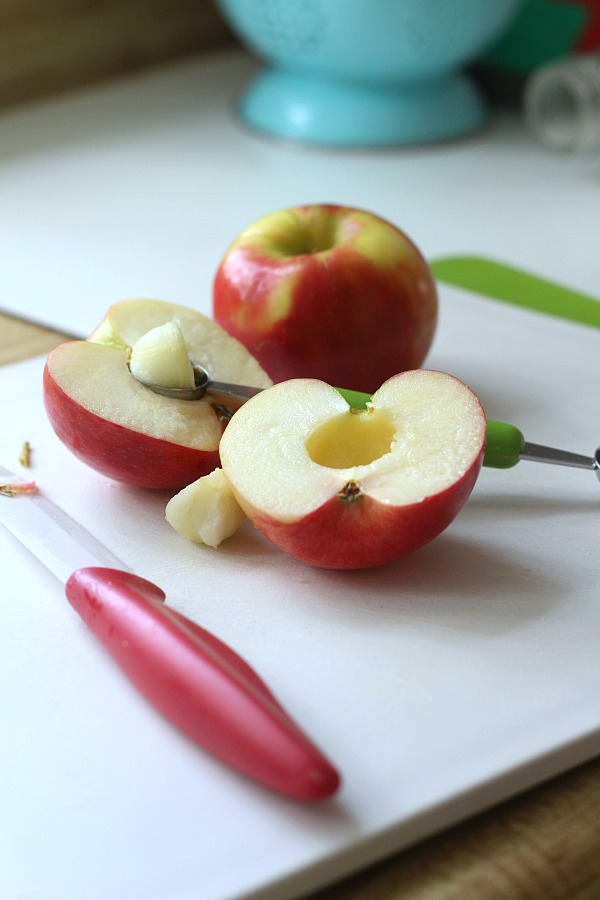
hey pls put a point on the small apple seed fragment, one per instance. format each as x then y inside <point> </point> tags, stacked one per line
<point>25,454</point>
<point>161,357</point>
<point>205,512</point>
<point>14,488</point>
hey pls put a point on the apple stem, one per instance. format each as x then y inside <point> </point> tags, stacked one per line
<point>350,492</point>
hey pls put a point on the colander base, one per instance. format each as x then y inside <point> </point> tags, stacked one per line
<point>307,109</point>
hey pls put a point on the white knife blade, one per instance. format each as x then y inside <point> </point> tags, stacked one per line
<point>57,540</point>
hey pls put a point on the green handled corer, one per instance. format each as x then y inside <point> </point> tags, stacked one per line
<point>505,445</point>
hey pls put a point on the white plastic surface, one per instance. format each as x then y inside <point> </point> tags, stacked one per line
<point>438,685</point>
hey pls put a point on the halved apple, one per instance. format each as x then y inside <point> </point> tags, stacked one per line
<point>343,489</point>
<point>122,428</point>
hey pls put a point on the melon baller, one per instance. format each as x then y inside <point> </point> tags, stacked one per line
<point>505,444</point>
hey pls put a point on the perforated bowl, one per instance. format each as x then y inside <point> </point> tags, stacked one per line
<point>365,71</point>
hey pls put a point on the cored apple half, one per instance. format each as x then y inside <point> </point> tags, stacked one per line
<point>122,428</point>
<point>344,489</point>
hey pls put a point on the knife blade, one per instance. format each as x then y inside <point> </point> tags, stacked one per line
<point>201,685</point>
<point>501,281</point>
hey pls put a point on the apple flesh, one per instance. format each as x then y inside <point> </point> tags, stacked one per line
<point>161,357</point>
<point>328,292</point>
<point>125,430</point>
<point>206,511</point>
<point>343,489</point>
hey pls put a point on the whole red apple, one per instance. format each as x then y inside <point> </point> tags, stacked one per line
<point>345,489</point>
<point>327,292</point>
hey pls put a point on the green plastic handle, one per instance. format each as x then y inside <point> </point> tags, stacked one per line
<point>504,442</point>
<point>503,445</point>
<point>356,399</point>
<point>500,281</point>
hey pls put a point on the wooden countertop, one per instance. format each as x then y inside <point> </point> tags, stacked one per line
<point>543,845</point>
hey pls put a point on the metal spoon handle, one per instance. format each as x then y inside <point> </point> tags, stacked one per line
<point>538,453</point>
<point>241,392</point>
<point>505,445</point>
<point>203,386</point>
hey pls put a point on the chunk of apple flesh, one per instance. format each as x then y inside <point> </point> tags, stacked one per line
<point>206,511</point>
<point>125,430</point>
<point>160,358</point>
<point>343,489</point>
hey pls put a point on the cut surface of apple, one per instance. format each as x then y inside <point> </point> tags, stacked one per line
<point>206,511</point>
<point>344,489</point>
<point>122,428</point>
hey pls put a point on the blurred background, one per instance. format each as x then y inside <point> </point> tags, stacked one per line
<point>121,154</point>
<point>49,46</point>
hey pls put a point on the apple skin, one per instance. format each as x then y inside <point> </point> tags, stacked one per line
<point>364,533</point>
<point>121,453</point>
<point>328,292</point>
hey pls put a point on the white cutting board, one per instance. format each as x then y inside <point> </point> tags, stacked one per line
<point>438,685</point>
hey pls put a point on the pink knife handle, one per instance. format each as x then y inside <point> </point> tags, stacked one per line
<point>200,684</point>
